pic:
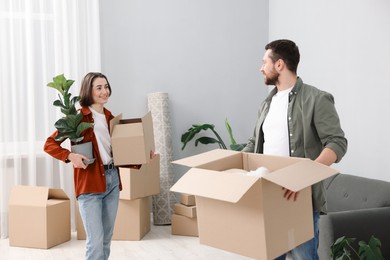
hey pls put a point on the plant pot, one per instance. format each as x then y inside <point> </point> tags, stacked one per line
<point>84,149</point>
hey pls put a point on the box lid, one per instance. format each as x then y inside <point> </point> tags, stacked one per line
<point>207,180</point>
<point>300,175</point>
<point>114,122</point>
<point>205,158</point>
<point>34,196</point>
<point>223,186</point>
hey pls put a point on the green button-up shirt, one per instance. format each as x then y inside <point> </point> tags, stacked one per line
<point>313,124</point>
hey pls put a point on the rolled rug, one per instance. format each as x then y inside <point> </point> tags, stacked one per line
<point>162,204</point>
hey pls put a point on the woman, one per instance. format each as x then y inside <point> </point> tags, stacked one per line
<point>97,185</point>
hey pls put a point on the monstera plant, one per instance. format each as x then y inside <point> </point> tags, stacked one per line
<point>70,125</point>
<point>343,249</point>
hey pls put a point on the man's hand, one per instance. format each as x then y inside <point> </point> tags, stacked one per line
<point>77,160</point>
<point>288,194</point>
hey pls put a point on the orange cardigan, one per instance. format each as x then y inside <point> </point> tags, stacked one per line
<point>91,179</point>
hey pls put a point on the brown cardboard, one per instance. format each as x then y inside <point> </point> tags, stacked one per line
<point>132,221</point>
<point>184,226</point>
<point>140,182</point>
<point>233,207</point>
<point>132,141</point>
<point>183,210</point>
<point>187,199</point>
<point>39,217</point>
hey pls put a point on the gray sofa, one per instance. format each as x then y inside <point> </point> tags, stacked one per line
<point>357,207</point>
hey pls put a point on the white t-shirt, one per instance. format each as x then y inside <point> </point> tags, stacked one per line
<point>102,136</point>
<point>275,127</point>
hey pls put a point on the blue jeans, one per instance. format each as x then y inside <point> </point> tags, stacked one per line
<point>308,250</point>
<point>98,212</point>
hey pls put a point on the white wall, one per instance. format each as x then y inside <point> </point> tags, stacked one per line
<point>345,50</point>
<point>204,54</point>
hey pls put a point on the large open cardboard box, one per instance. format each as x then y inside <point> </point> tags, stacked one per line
<point>140,182</point>
<point>132,139</point>
<point>249,215</point>
<point>39,217</point>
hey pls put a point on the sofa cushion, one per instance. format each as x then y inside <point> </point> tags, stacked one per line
<point>350,192</point>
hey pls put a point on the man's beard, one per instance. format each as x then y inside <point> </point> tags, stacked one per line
<point>272,79</point>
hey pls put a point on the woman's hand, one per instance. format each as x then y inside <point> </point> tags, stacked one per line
<point>77,160</point>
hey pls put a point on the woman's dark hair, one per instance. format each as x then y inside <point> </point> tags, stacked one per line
<point>287,51</point>
<point>86,88</point>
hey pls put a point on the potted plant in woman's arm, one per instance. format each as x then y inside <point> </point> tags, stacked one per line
<point>70,126</point>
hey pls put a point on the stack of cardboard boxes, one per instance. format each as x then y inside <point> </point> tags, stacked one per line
<point>184,220</point>
<point>132,140</point>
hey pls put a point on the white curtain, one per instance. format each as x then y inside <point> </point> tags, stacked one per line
<point>39,39</point>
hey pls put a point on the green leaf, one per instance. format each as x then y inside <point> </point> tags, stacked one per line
<point>230,131</point>
<point>63,126</point>
<point>67,99</point>
<point>67,84</point>
<point>58,103</point>
<point>61,136</point>
<point>339,249</point>
<point>74,100</point>
<point>206,140</point>
<point>82,127</point>
<point>72,121</point>
<point>194,130</point>
<point>370,251</point>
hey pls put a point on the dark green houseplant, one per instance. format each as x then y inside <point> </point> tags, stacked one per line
<point>342,249</point>
<point>196,129</point>
<point>70,125</point>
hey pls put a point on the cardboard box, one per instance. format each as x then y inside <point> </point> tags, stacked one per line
<point>39,217</point>
<point>252,210</point>
<point>132,220</point>
<point>140,182</point>
<point>132,139</point>
<point>187,199</point>
<point>183,210</point>
<point>184,226</point>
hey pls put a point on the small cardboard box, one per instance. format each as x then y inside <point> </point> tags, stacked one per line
<point>187,199</point>
<point>132,139</point>
<point>233,207</point>
<point>184,226</point>
<point>140,182</point>
<point>39,217</point>
<point>132,221</point>
<point>183,210</point>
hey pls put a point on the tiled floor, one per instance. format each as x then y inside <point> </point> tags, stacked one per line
<point>157,244</point>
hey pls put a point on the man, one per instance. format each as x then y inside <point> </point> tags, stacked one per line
<point>297,120</point>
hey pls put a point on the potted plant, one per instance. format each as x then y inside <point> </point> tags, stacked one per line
<point>195,129</point>
<point>70,125</point>
<point>342,249</point>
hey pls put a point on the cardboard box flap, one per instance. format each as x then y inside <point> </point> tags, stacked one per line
<point>29,196</point>
<point>114,122</point>
<point>58,194</point>
<point>300,175</point>
<point>222,186</point>
<point>204,158</point>
<point>147,120</point>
